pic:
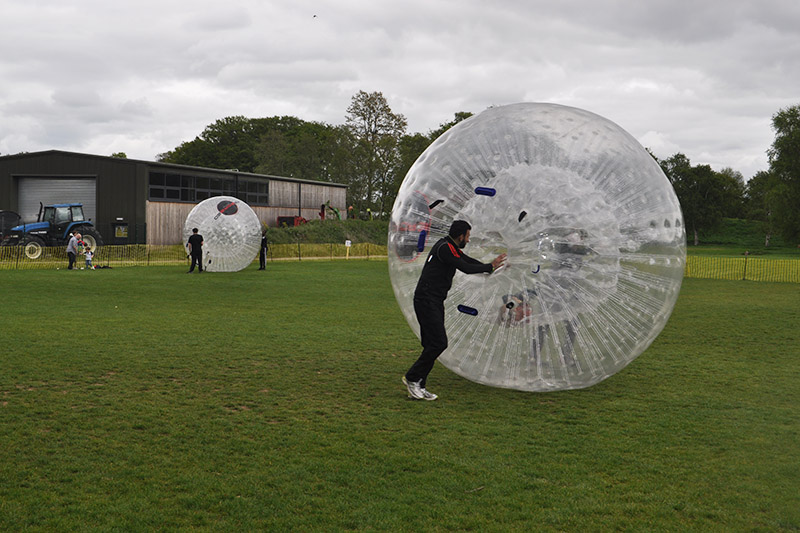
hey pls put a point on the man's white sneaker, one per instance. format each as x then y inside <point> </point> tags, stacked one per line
<point>427,395</point>
<point>415,390</point>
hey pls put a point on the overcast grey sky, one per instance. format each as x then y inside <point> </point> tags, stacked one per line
<point>699,77</point>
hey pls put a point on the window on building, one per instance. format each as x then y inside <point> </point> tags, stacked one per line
<point>254,192</point>
<point>173,187</point>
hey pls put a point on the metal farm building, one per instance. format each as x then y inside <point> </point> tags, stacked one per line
<point>143,202</point>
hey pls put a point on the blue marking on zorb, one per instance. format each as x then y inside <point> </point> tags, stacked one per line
<point>421,241</point>
<point>486,191</point>
<point>468,310</point>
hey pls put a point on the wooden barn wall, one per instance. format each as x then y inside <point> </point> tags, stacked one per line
<point>316,195</point>
<point>165,219</point>
<point>165,222</point>
<point>283,194</point>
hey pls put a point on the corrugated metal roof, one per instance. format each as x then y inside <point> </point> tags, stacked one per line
<point>152,164</point>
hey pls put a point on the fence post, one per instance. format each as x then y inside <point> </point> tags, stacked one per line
<point>744,275</point>
<point>299,257</point>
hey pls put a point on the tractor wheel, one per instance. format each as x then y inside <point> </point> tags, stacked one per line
<point>33,247</point>
<point>91,237</point>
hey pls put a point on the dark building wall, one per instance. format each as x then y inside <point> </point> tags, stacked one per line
<point>120,185</point>
<point>123,188</point>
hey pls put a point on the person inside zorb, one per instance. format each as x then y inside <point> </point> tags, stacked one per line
<point>525,308</point>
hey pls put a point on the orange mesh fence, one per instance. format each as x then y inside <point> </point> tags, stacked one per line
<point>20,258</point>
<point>743,268</point>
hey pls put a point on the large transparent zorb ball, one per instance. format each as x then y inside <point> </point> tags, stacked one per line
<point>231,233</point>
<point>594,236</point>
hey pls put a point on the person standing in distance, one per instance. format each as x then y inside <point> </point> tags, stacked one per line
<point>72,249</point>
<point>262,255</point>
<point>196,250</point>
<point>434,283</point>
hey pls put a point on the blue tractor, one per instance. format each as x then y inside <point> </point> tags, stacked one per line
<point>54,226</point>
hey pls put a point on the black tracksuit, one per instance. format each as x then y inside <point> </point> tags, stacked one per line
<point>262,256</point>
<point>196,242</point>
<point>434,283</point>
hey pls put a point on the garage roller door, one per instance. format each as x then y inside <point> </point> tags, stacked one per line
<point>56,190</point>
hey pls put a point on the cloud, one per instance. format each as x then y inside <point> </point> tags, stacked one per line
<point>222,18</point>
<point>703,79</point>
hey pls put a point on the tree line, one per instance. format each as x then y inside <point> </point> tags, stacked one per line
<point>771,196</point>
<point>372,152</point>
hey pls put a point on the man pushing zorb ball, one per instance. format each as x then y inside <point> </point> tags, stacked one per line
<point>593,234</point>
<point>231,233</point>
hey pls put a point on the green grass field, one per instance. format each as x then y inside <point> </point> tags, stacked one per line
<point>143,398</point>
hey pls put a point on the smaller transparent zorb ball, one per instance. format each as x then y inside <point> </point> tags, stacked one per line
<point>594,236</point>
<point>231,233</point>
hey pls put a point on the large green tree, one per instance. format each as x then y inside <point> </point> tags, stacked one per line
<point>304,150</point>
<point>228,143</point>
<point>376,132</point>
<point>371,152</point>
<point>760,200</point>
<point>412,146</point>
<point>784,162</point>
<point>733,187</point>
<point>458,117</point>
<point>700,191</point>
